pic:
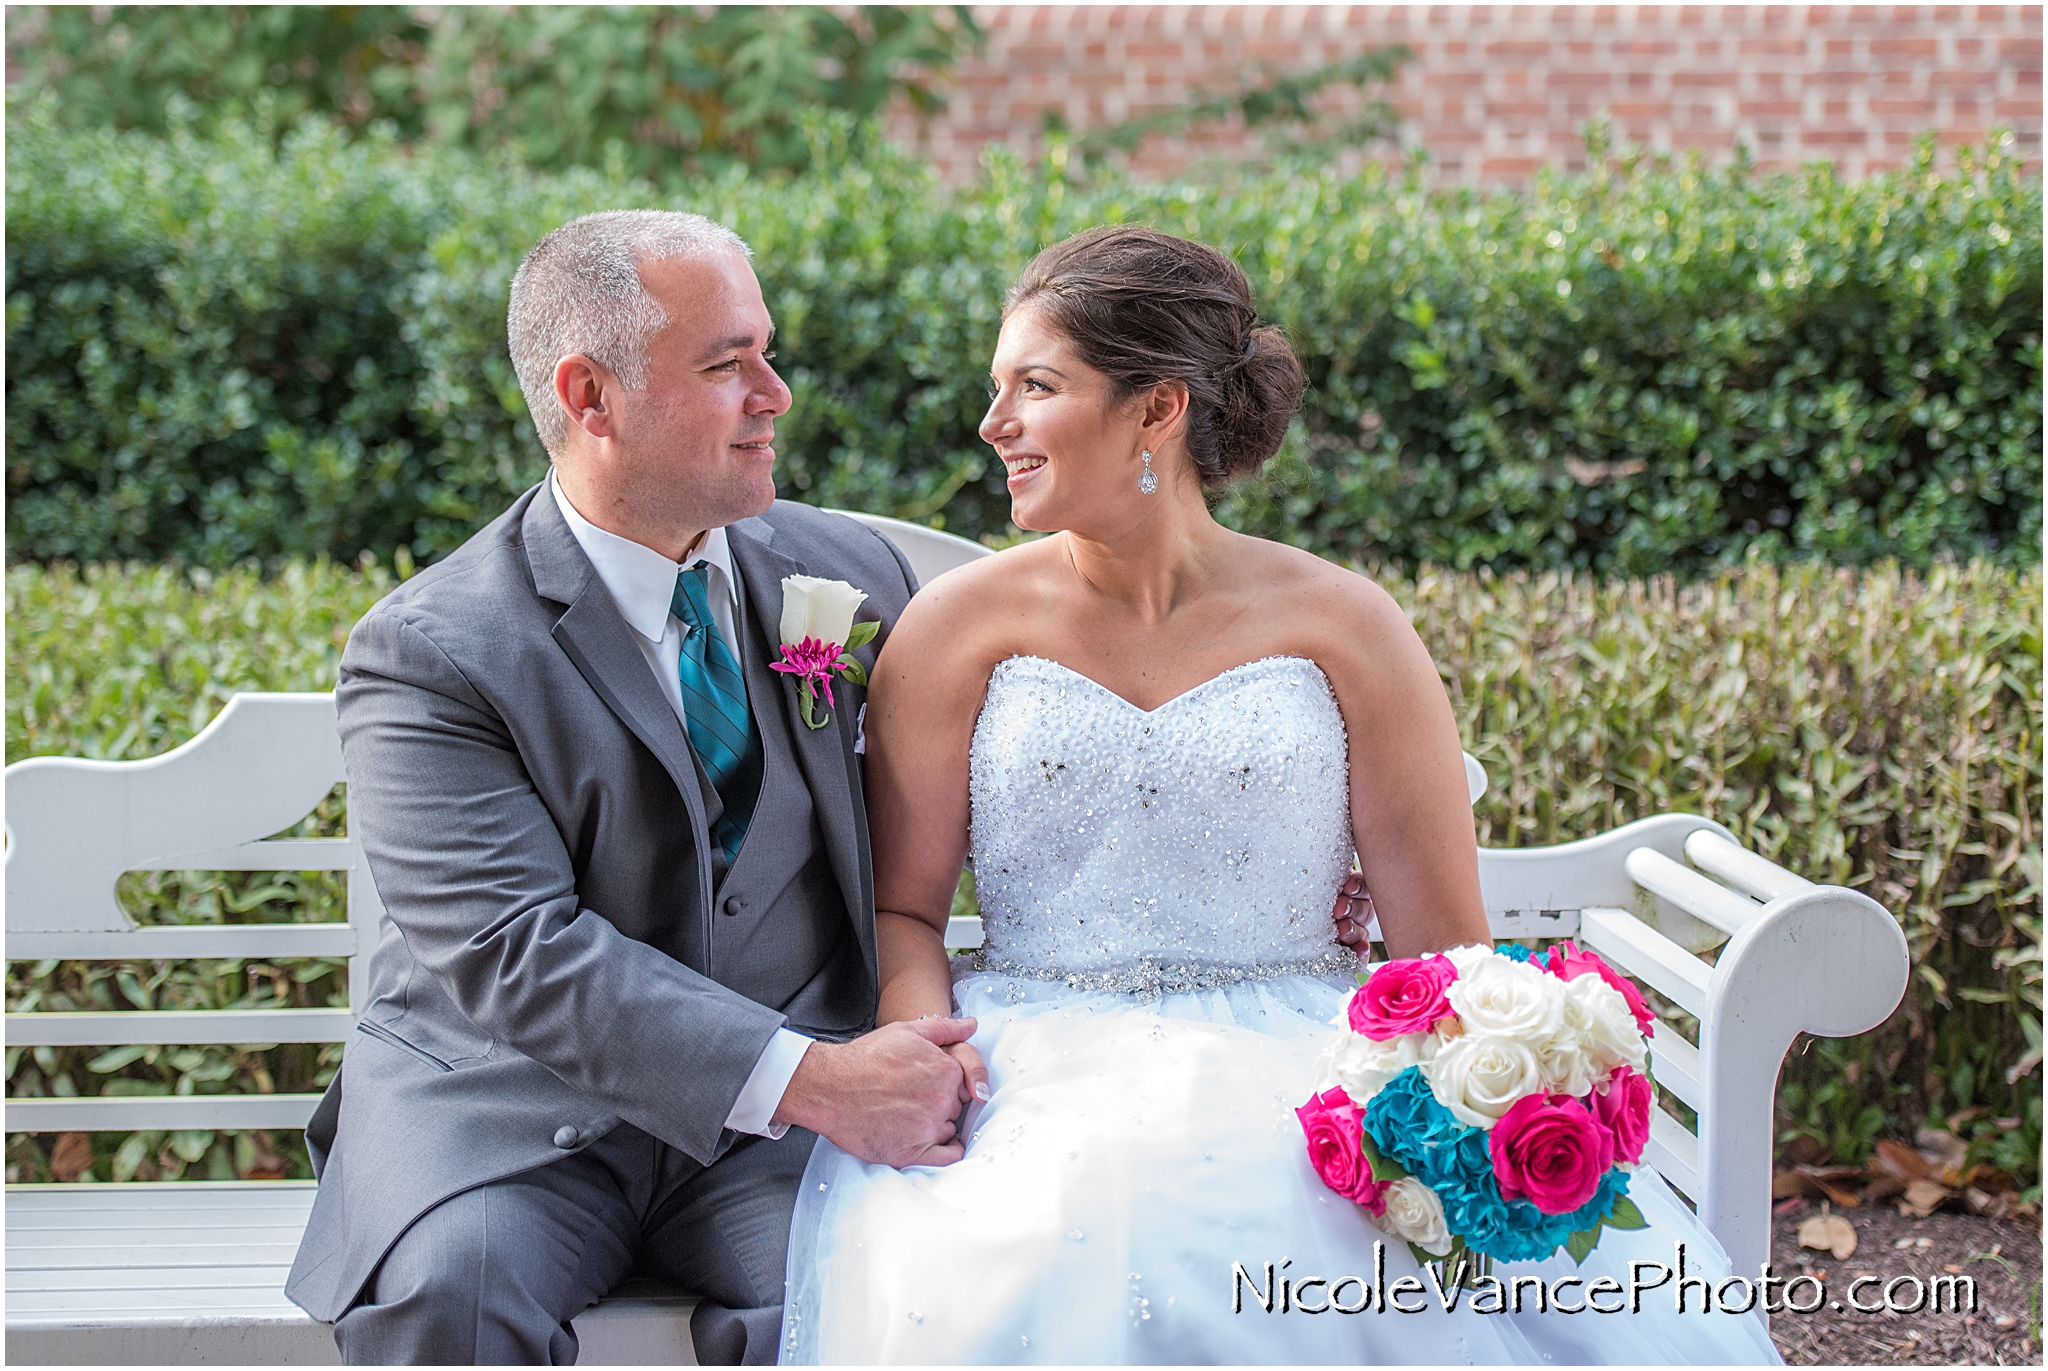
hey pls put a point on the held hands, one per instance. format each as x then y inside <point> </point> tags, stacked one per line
<point>892,1096</point>
<point>1353,911</point>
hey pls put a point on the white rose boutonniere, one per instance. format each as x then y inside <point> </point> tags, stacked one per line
<point>818,633</point>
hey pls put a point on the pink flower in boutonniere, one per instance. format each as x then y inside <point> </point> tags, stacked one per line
<point>818,634</point>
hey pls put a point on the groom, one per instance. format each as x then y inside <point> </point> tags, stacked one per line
<point>629,971</point>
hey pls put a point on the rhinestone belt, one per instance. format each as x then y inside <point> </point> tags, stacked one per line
<point>1151,978</point>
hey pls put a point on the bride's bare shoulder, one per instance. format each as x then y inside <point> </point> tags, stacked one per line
<point>960,624</point>
<point>1307,588</point>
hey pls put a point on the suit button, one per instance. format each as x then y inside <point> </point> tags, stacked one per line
<point>736,904</point>
<point>565,1136</point>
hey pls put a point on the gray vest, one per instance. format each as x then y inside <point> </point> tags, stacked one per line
<point>768,938</point>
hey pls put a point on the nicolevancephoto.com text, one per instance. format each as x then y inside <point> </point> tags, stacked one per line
<point>1274,1290</point>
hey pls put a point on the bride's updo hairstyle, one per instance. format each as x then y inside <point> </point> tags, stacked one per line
<point>1143,307</point>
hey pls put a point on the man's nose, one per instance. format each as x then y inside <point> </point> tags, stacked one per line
<point>771,395</point>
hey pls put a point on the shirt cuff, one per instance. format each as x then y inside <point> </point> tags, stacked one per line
<point>754,1110</point>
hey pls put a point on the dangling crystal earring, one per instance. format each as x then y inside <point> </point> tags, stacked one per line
<point>1148,484</point>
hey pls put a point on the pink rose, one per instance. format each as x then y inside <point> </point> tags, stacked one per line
<point>1569,962</point>
<point>1550,1151</point>
<point>1335,1128</point>
<point>1623,1109</point>
<point>1403,997</point>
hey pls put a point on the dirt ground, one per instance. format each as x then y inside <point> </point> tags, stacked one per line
<point>2002,1255</point>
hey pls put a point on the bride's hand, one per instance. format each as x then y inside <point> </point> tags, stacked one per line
<point>973,1075</point>
<point>1353,912</point>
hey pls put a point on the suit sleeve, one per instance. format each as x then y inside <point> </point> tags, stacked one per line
<point>476,876</point>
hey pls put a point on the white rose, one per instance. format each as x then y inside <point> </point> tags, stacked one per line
<point>1564,1065</point>
<point>1466,957</point>
<point>1499,995</point>
<point>1607,1029</point>
<point>1363,1067</point>
<point>1477,1077</point>
<point>1414,1214</point>
<point>813,607</point>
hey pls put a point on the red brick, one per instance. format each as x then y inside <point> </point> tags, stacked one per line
<point>1584,80</point>
<point>1707,47</point>
<point>1454,80</point>
<point>2020,47</point>
<point>1640,109</point>
<point>1642,47</point>
<point>1510,109</point>
<point>2016,109</point>
<point>1903,47</point>
<point>1918,109</point>
<point>1905,14</point>
<point>1515,167</point>
<point>1835,138</point>
<point>1683,80</point>
<point>1776,109</point>
<point>1967,80</point>
<point>1772,47</point>
<point>1518,49</point>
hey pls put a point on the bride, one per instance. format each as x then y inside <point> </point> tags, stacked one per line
<point>1161,743</point>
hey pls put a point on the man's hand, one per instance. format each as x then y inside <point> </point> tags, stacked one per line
<point>891,1096</point>
<point>1353,912</point>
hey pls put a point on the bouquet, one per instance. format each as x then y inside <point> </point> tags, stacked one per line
<point>1485,1104</point>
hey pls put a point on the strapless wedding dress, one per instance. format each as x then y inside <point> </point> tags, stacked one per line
<point>1159,976</point>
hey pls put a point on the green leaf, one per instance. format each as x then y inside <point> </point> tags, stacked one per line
<point>119,1057</point>
<point>1384,1168</point>
<point>863,633</point>
<point>1581,1245</point>
<point>1625,1215</point>
<point>191,1144</point>
<point>852,670</point>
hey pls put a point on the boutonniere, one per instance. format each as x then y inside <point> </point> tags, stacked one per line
<point>818,634</point>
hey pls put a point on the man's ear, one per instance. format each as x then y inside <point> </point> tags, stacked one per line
<point>582,387</point>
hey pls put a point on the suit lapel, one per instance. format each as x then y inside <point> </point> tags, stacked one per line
<point>597,638</point>
<point>824,755</point>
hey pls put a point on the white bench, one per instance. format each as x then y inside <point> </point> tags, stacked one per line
<point>191,1273</point>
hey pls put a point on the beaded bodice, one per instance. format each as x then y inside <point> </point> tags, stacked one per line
<point>1197,843</point>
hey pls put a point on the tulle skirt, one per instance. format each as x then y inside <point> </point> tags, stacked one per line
<point>1139,1166</point>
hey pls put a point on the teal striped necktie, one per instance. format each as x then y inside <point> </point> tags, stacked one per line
<point>715,707</point>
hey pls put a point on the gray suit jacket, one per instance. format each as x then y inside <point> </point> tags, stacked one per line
<point>561,952</point>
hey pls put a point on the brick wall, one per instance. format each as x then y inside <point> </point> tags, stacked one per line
<point>1497,90</point>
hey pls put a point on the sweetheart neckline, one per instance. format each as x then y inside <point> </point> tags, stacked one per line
<point>1309,662</point>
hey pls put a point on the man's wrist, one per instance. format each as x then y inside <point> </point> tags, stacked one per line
<point>755,1109</point>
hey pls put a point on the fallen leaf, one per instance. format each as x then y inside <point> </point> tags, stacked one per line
<point>1883,1188</point>
<point>1899,1160</point>
<point>1952,1269</point>
<point>1943,1150</point>
<point>1923,1198</point>
<point>71,1157</point>
<point>1829,1233</point>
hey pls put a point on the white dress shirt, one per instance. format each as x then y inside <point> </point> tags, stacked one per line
<point>643,582</point>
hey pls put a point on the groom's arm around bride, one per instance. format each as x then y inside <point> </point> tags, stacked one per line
<point>630,965</point>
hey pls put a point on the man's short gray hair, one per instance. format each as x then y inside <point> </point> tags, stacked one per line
<point>579,291</point>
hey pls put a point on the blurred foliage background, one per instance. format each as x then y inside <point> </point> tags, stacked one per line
<point>226,346</point>
<point>1711,491</point>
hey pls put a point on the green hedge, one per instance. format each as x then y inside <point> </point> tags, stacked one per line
<point>1876,728</point>
<point>219,350</point>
